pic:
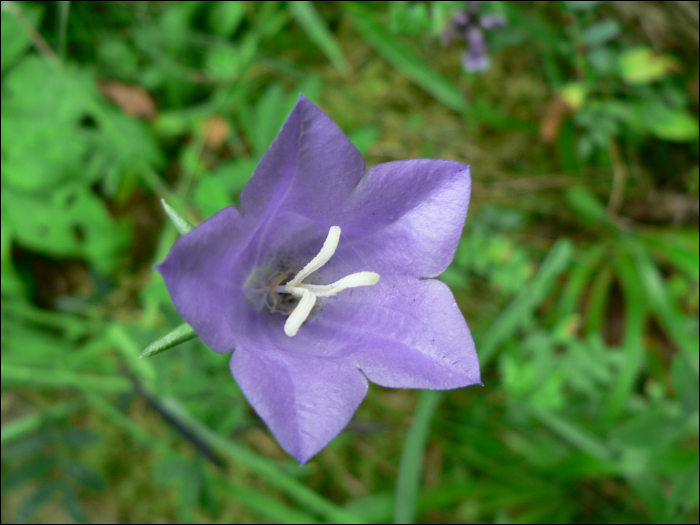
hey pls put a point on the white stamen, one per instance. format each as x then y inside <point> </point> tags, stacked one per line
<point>307,293</point>
<point>300,313</point>
<point>327,251</point>
<point>351,281</point>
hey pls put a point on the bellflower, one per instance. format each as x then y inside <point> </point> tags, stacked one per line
<point>470,26</point>
<point>324,279</point>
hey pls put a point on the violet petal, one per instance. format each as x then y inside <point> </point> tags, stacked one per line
<point>311,167</point>
<point>305,400</point>
<point>406,217</point>
<point>405,333</point>
<point>203,280</point>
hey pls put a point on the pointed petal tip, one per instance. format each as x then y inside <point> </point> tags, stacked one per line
<point>304,454</point>
<point>303,459</point>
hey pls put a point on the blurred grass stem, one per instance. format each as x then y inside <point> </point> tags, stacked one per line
<point>411,466</point>
<point>39,42</point>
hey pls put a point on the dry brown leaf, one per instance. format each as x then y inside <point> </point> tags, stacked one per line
<point>132,99</point>
<point>557,111</point>
<point>215,130</point>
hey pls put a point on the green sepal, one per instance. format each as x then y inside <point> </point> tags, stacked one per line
<point>182,225</point>
<point>182,333</point>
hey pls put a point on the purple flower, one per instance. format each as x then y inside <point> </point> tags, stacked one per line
<point>324,280</point>
<point>470,26</point>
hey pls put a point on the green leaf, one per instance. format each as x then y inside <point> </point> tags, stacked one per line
<point>71,221</point>
<point>641,65</point>
<point>364,138</point>
<point>75,134</point>
<point>216,190</point>
<point>270,112</point>
<point>520,309</point>
<point>651,429</point>
<point>262,124</point>
<point>223,62</point>
<point>685,491</point>
<point>182,333</point>
<point>601,32</point>
<point>77,438</point>
<point>226,17</point>
<point>308,18</point>
<point>11,284</point>
<point>88,479</point>
<point>28,471</point>
<point>182,225</point>
<point>404,59</point>
<point>582,5</point>
<point>685,384</point>
<point>676,250</point>
<point>675,126</point>
<point>15,37</point>
<point>588,208</point>
<point>409,17</point>
<point>72,505</point>
<point>411,465</point>
<point>36,501</point>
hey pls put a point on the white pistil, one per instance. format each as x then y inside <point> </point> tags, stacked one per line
<point>300,313</point>
<point>307,293</point>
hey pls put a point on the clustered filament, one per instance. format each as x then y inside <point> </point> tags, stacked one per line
<point>308,293</point>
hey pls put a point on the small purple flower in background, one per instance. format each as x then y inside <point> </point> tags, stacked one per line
<point>324,280</point>
<point>470,26</point>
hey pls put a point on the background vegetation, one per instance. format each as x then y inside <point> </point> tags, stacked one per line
<point>577,271</point>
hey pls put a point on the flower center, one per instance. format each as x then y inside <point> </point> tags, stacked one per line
<point>308,293</point>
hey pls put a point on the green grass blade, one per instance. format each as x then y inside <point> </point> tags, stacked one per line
<point>270,509</point>
<point>179,335</point>
<point>524,304</point>
<point>63,12</point>
<point>308,18</point>
<point>119,420</point>
<point>144,371</point>
<point>266,469</point>
<point>267,507</point>
<point>575,435</point>
<point>182,225</point>
<point>403,58</point>
<point>683,255</point>
<point>598,300</point>
<point>579,278</point>
<point>674,321</point>
<point>24,426</point>
<point>635,313</point>
<point>589,209</point>
<point>44,378</point>
<point>410,468</point>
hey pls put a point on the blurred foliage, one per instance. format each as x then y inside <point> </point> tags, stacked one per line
<point>577,271</point>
